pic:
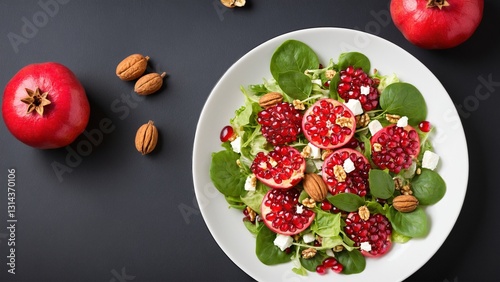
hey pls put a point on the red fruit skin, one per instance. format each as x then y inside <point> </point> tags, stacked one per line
<point>62,121</point>
<point>434,28</point>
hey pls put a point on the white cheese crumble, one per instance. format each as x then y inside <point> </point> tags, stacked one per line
<point>308,238</point>
<point>330,253</point>
<point>355,106</point>
<point>365,246</point>
<point>430,160</point>
<point>250,183</point>
<point>283,241</point>
<point>299,209</point>
<point>317,81</point>
<point>364,90</point>
<point>402,121</point>
<point>315,151</point>
<point>374,126</point>
<point>236,145</point>
<point>348,165</point>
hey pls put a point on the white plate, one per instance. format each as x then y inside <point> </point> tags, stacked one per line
<point>449,141</point>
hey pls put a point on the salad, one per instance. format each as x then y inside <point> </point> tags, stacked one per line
<point>329,164</point>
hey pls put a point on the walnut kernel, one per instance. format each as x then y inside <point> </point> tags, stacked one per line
<point>298,105</point>
<point>308,202</point>
<point>309,253</point>
<point>392,118</point>
<point>339,173</point>
<point>364,213</point>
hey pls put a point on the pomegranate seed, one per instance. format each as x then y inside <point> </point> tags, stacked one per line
<point>321,269</point>
<point>329,262</point>
<point>338,268</point>
<point>326,205</point>
<point>425,126</point>
<point>226,133</point>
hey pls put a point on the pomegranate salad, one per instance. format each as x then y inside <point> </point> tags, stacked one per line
<point>329,164</point>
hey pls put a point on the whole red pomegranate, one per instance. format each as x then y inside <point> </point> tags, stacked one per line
<point>45,106</point>
<point>437,24</point>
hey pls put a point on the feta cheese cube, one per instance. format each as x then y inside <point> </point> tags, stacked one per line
<point>364,90</point>
<point>402,121</point>
<point>348,165</point>
<point>365,246</point>
<point>330,253</point>
<point>374,126</point>
<point>299,209</point>
<point>315,151</point>
<point>236,145</point>
<point>308,238</point>
<point>430,160</point>
<point>355,106</point>
<point>283,241</point>
<point>250,183</point>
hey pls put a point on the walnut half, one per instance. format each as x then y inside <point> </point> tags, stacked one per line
<point>233,3</point>
<point>309,253</point>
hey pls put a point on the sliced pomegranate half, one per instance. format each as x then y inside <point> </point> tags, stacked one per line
<point>280,123</point>
<point>356,84</point>
<point>281,168</point>
<point>328,124</point>
<point>282,212</point>
<point>346,171</point>
<point>372,235</point>
<point>394,147</point>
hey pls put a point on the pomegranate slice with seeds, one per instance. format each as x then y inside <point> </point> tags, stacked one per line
<point>394,147</point>
<point>282,212</point>
<point>372,235</point>
<point>280,123</point>
<point>328,124</point>
<point>281,168</point>
<point>346,171</point>
<point>356,84</point>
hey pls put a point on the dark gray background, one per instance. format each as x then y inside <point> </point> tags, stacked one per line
<point>120,215</point>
